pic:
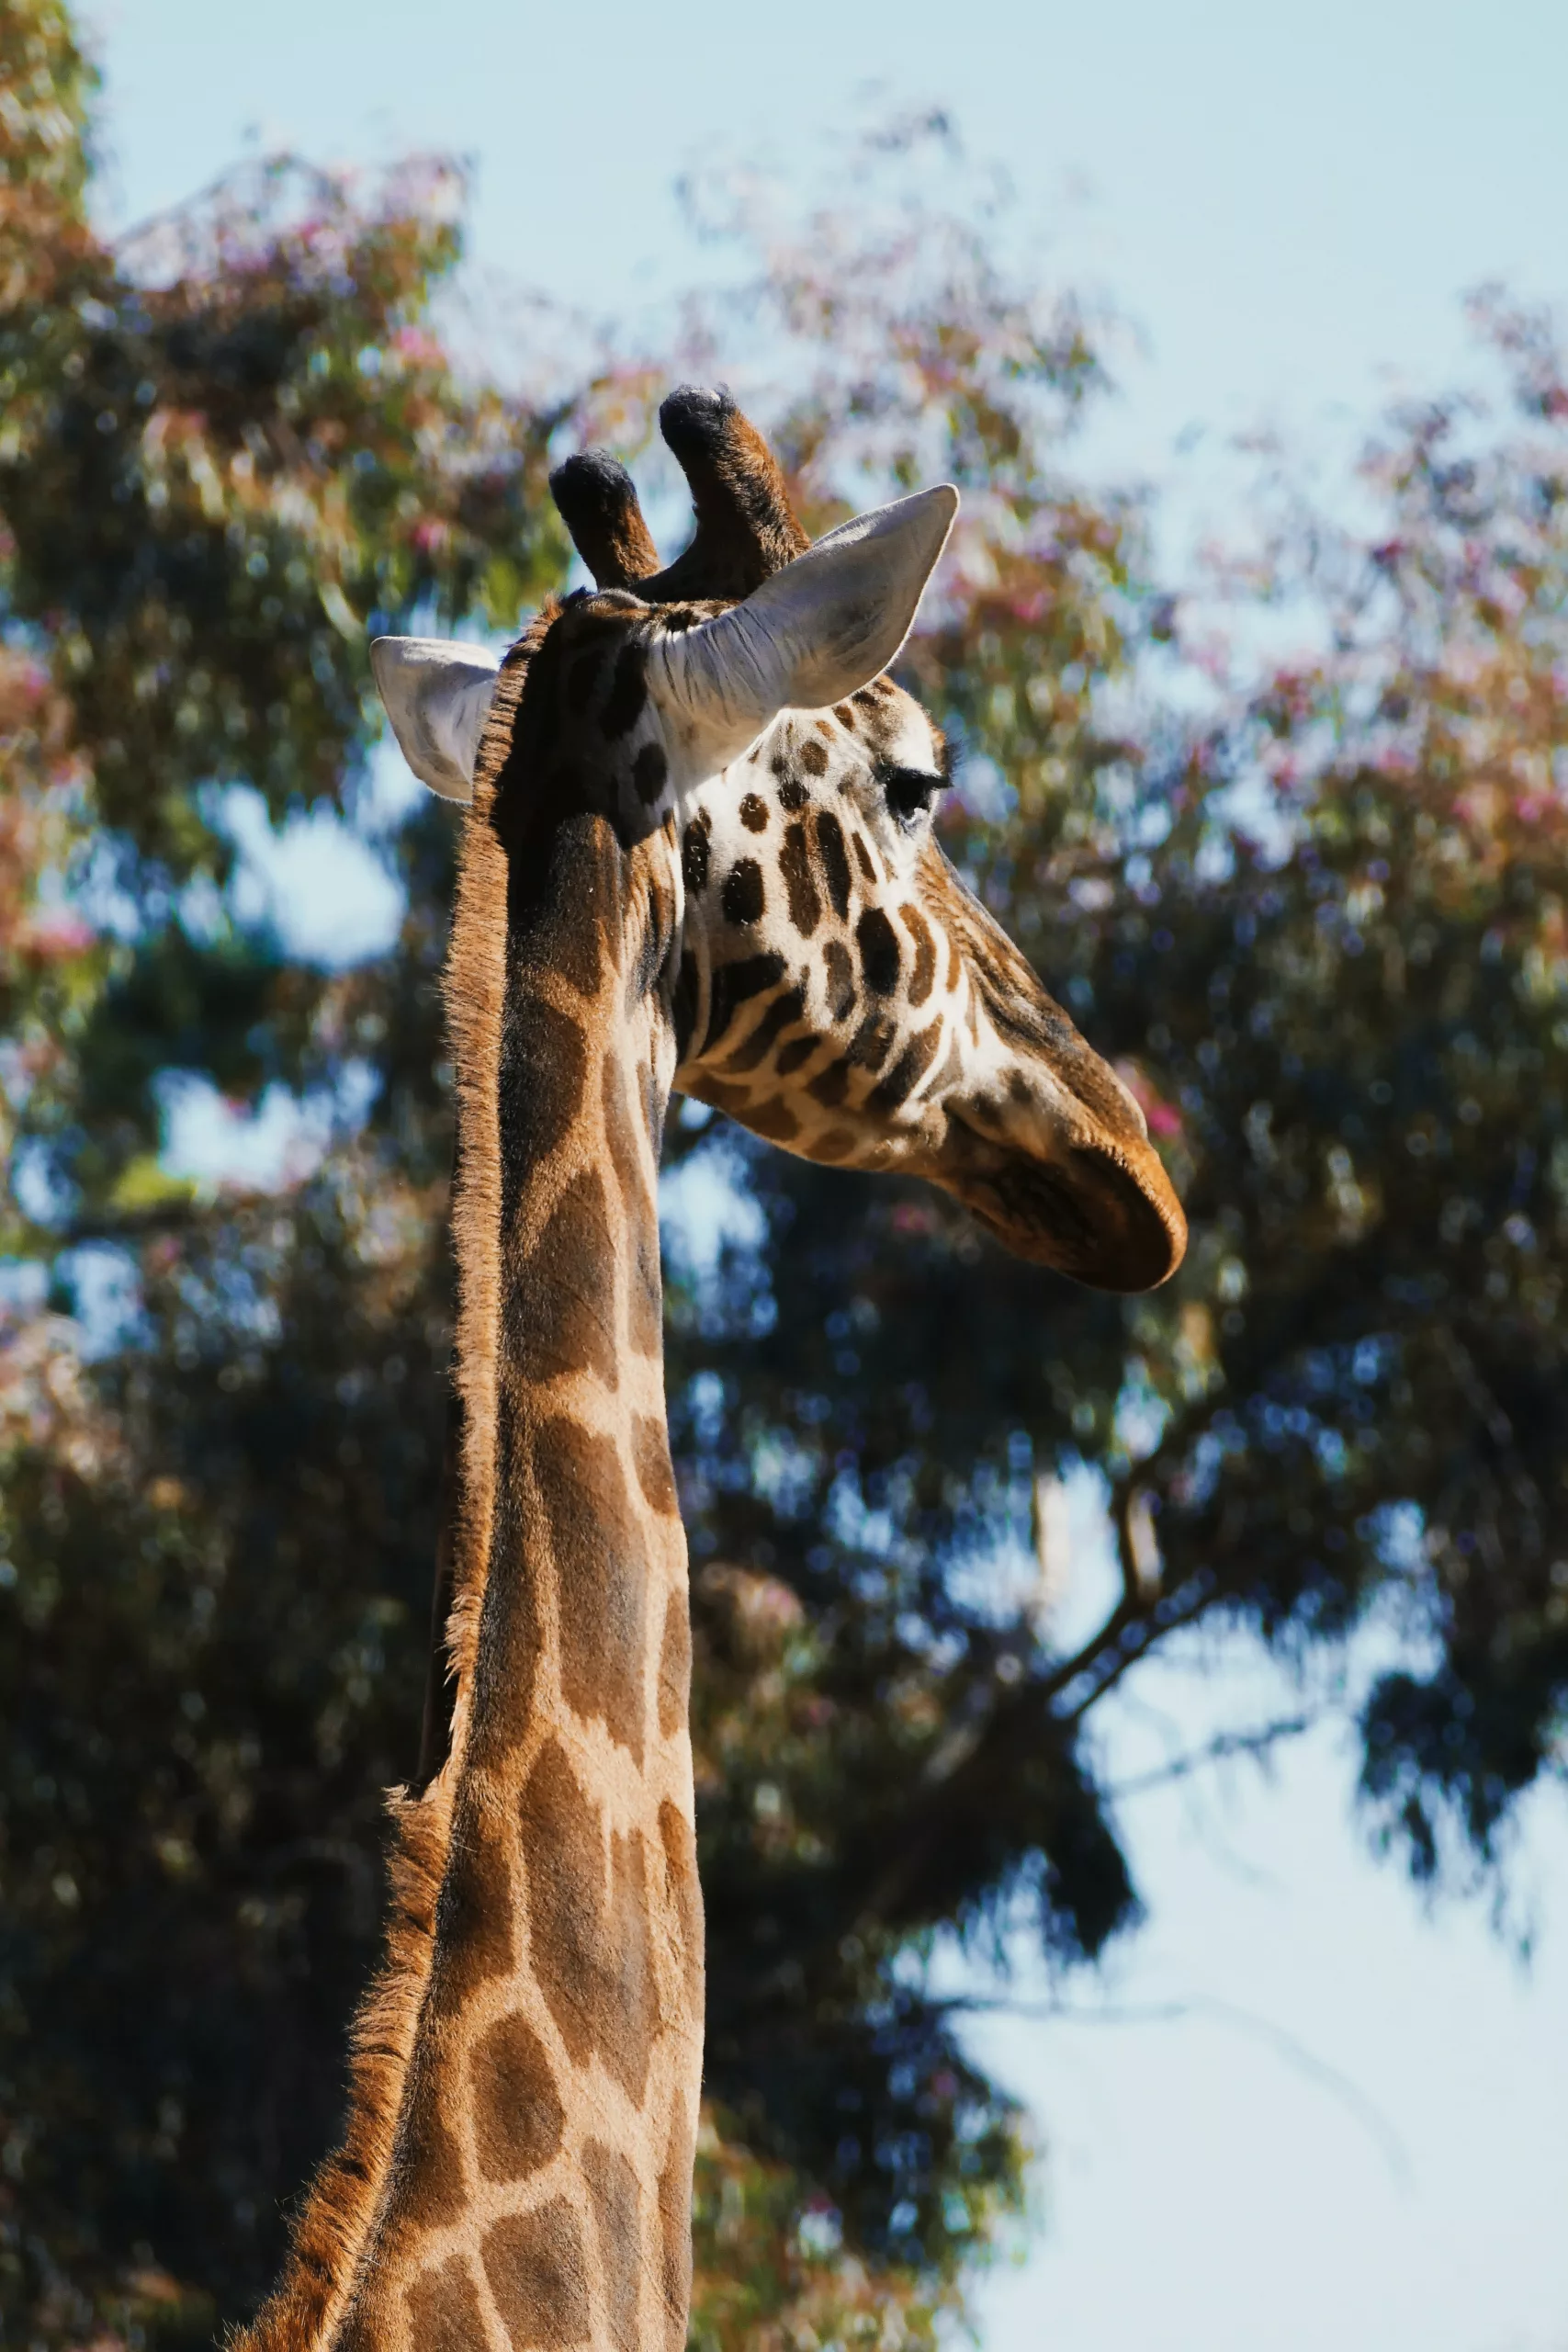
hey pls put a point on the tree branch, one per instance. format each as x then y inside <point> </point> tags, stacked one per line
<point>1215,1751</point>
<point>1285,2045</point>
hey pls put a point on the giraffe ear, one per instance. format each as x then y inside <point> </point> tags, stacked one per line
<point>820,628</point>
<point>438,696</point>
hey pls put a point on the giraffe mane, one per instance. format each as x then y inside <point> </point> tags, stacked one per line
<point>339,2210</point>
<point>473,990</point>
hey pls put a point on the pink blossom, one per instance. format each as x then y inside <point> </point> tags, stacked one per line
<point>415,344</point>
<point>1163,1119</point>
<point>56,932</point>
<point>913,1217</point>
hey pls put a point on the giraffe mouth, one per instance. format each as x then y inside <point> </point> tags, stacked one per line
<point>1107,1216</point>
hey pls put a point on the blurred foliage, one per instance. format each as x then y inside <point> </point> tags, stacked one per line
<point>1317,912</point>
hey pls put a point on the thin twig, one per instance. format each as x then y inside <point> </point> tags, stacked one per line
<point>1149,1631</point>
<point>1364,2110</point>
<point>1214,1751</point>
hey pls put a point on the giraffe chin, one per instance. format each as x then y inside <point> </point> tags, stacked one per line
<point>1108,1218</point>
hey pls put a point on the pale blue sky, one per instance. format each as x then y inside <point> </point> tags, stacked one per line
<point>1288,202</point>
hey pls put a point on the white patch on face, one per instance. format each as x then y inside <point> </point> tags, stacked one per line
<point>737,825</point>
<point>905,737</point>
<point>911,737</point>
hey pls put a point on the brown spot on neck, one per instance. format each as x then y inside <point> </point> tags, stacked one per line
<point>516,2108</point>
<point>612,2190</point>
<point>444,2311</point>
<point>590,1950</point>
<point>598,1556</point>
<point>537,2270</point>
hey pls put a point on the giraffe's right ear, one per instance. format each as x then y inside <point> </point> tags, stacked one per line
<point>437,695</point>
<point>817,631</point>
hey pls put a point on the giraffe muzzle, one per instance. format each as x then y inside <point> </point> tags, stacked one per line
<point>1101,1211</point>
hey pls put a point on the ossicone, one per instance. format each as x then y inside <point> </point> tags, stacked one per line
<point>746,527</point>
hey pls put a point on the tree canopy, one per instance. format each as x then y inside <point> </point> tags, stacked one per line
<point>1317,913</point>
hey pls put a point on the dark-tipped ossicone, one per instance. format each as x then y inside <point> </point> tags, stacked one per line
<point>598,503</point>
<point>746,527</point>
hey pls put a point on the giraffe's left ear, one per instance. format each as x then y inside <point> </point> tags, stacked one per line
<point>437,695</point>
<point>817,631</point>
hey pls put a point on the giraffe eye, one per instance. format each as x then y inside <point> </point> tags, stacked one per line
<point>909,791</point>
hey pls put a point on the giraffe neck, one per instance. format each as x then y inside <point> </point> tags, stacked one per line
<point>518,2166</point>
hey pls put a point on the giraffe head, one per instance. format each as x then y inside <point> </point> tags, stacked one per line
<point>824,976</point>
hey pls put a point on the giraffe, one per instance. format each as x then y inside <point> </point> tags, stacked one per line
<point>697,857</point>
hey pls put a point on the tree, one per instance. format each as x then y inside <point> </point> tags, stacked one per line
<point>232,449</point>
<point>224,450</point>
